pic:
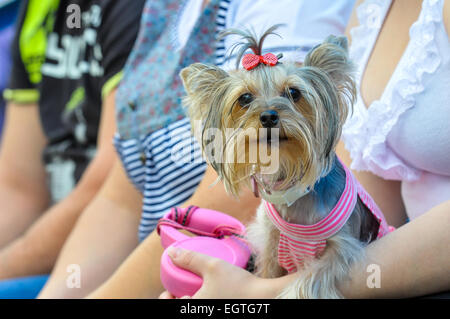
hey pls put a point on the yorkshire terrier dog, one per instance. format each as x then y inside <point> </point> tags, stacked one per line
<point>315,218</point>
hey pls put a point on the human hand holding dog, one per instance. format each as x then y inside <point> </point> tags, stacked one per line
<point>222,280</point>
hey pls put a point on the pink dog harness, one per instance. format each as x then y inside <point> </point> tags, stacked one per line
<point>299,242</point>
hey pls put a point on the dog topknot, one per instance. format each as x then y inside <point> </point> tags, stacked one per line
<point>249,40</point>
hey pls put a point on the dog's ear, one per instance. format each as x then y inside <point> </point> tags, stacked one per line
<point>201,78</point>
<point>332,57</point>
<point>201,82</point>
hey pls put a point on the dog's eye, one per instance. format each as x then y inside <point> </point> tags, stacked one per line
<point>293,93</point>
<point>245,99</point>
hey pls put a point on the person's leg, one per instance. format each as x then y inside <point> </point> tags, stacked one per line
<point>22,288</point>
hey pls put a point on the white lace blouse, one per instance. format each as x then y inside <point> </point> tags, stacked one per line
<point>405,135</point>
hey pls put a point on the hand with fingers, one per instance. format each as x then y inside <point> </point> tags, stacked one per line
<point>221,280</point>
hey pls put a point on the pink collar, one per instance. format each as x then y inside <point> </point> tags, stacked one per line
<point>298,242</point>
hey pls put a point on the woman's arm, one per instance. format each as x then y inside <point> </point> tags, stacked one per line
<point>413,261</point>
<point>23,195</point>
<point>138,276</point>
<point>103,236</point>
<point>36,250</point>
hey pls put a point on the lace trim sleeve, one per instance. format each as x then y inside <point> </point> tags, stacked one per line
<point>366,131</point>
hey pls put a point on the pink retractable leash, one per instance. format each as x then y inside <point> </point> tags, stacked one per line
<point>219,235</point>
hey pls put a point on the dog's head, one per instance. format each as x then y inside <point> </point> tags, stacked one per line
<point>294,111</point>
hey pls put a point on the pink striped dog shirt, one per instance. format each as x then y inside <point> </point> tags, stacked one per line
<point>298,242</point>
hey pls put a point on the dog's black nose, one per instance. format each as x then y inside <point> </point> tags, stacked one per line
<point>269,118</point>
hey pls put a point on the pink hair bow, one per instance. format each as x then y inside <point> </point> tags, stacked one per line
<point>250,61</point>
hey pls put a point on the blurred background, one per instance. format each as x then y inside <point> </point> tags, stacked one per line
<point>8,14</point>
